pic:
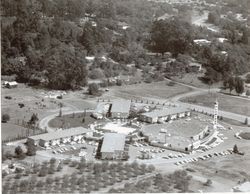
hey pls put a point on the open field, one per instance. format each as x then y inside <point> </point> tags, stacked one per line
<point>225,172</point>
<point>226,103</point>
<point>152,90</point>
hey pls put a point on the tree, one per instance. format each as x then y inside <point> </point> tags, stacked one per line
<point>239,85</point>
<point>208,182</point>
<point>235,149</point>
<point>59,167</point>
<point>245,36</point>
<point>246,121</point>
<point>171,35</point>
<point>52,161</point>
<point>31,149</point>
<point>5,118</point>
<point>33,119</point>
<point>93,89</point>
<point>231,84</point>
<point>24,185</point>
<point>19,152</point>
<point>213,18</point>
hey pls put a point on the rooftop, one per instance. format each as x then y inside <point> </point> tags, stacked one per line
<point>165,112</point>
<point>61,134</point>
<point>245,187</point>
<point>121,106</point>
<point>179,131</point>
<point>113,142</point>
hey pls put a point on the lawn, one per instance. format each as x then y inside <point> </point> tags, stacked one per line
<point>71,120</point>
<point>245,135</point>
<point>156,90</point>
<point>226,103</point>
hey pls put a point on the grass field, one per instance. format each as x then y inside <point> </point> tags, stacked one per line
<point>226,103</point>
<point>153,90</point>
<point>71,120</point>
<point>193,80</point>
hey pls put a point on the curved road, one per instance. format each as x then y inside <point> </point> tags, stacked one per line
<point>175,99</point>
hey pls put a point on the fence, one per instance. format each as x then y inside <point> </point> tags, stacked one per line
<point>24,136</point>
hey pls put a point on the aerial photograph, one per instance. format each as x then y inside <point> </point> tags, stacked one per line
<point>125,96</point>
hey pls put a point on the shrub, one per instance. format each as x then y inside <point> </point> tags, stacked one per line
<point>171,83</point>
<point>52,161</point>
<point>18,176</point>
<point>59,168</point>
<point>208,182</point>
<point>43,172</point>
<point>5,118</point>
<point>19,152</point>
<point>119,82</point>
<point>235,149</point>
<point>93,89</point>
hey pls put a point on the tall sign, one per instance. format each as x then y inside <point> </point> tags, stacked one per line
<point>216,105</point>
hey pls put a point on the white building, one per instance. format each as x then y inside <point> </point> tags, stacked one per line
<point>164,114</point>
<point>113,146</point>
<point>58,137</point>
<point>120,108</point>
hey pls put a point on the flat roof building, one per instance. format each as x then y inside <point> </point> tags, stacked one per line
<point>164,114</point>
<point>113,146</point>
<point>61,136</point>
<point>120,108</point>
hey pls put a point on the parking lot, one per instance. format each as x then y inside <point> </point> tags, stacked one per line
<point>86,149</point>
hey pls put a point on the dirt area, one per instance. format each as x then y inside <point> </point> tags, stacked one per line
<point>152,90</point>
<point>226,103</point>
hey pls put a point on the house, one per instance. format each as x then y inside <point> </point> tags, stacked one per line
<point>12,84</point>
<point>62,136</point>
<point>195,67</point>
<point>101,110</point>
<point>202,42</point>
<point>164,114</point>
<point>120,109</point>
<point>113,146</point>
